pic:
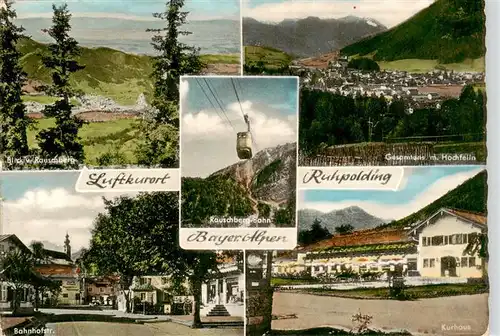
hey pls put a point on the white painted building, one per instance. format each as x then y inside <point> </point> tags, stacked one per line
<point>442,239</point>
<point>225,292</point>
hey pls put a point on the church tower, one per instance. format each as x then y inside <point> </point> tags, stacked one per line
<point>67,246</point>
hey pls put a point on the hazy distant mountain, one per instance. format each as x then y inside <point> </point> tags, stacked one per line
<point>54,247</point>
<point>310,36</point>
<point>353,215</point>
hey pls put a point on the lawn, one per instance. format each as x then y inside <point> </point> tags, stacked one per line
<point>421,65</point>
<point>272,58</point>
<point>416,292</point>
<point>45,100</point>
<point>115,136</point>
<point>221,59</point>
<point>284,282</point>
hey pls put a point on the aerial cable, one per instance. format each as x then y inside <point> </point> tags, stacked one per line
<point>213,105</point>
<point>218,103</point>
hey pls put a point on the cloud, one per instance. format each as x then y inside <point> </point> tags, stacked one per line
<point>47,214</point>
<point>388,12</point>
<point>396,211</point>
<point>183,89</point>
<point>213,136</point>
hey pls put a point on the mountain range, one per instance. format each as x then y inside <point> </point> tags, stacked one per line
<point>309,36</point>
<point>261,187</point>
<point>449,31</point>
<point>352,215</point>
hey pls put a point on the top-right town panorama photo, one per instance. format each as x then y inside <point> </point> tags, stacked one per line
<point>389,83</point>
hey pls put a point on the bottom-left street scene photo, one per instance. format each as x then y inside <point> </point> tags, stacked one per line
<point>107,264</point>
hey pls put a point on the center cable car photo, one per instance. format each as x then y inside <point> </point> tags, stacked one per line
<point>244,142</point>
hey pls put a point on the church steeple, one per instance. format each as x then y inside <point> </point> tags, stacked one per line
<point>67,246</point>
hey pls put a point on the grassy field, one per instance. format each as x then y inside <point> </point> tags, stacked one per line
<point>117,136</point>
<point>272,58</point>
<point>417,292</point>
<point>108,72</point>
<point>420,65</point>
<point>284,282</point>
<point>478,148</point>
<point>218,59</point>
<point>45,100</point>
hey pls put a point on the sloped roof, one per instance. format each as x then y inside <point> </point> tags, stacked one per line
<point>361,237</point>
<point>16,241</point>
<point>57,255</point>
<point>475,217</point>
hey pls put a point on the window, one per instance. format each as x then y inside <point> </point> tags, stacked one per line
<point>2,248</point>
<point>472,262</point>
<point>446,240</point>
<point>432,263</point>
<point>437,240</point>
<point>101,290</point>
<point>143,296</point>
<point>424,241</point>
<point>412,264</point>
<point>11,248</point>
<point>148,280</point>
<point>90,289</point>
<point>426,263</point>
<point>65,295</point>
<point>164,280</point>
<point>463,262</point>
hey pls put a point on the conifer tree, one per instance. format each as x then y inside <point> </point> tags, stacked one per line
<point>13,119</point>
<point>62,140</point>
<point>173,60</point>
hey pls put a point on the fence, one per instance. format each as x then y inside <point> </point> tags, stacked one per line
<point>384,154</point>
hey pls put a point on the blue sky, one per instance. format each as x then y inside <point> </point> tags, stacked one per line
<point>44,206</point>
<point>420,186</point>
<point>277,93</point>
<point>389,13</point>
<point>207,135</point>
<point>201,9</point>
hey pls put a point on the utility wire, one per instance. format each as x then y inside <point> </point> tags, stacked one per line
<point>220,105</point>
<point>211,103</point>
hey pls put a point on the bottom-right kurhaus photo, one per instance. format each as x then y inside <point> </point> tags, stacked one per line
<point>407,262</point>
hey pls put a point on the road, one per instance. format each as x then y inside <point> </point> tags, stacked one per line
<point>126,329</point>
<point>156,326</point>
<point>455,315</point>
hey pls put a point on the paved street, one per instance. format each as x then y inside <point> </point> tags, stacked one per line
<point>160,326</point>
<point>126,329</point>
<point>440,316</point>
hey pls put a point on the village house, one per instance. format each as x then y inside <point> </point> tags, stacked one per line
<point>11,243</point>
<point>101,290</point>
<point>442,239</point>
<point>60,267</point>
<point>433,248</point>
<point>223,295</point>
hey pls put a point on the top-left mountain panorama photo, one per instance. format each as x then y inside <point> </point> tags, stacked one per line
<point>95,84</point>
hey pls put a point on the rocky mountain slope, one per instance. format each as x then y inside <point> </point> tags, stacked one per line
<point>353,215</point>
<point>310,36</point>
<point>262,187</point>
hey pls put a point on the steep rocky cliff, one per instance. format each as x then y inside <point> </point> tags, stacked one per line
<point>259,188</point>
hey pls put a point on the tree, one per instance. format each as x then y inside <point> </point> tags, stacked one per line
<point>315,234</point>
<point>62,139</point>
<point>39,256</point>
<point>478,246</point>
<point>139,236</point>
<point>344,229</point>
<point>13,119</point>
<point>174,59</point>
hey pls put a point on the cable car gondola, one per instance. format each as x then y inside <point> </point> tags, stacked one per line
<point>244,142</point>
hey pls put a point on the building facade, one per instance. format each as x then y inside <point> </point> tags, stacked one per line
<point>432,248</point>
<point>442,240</point>
<point>11,243</point>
